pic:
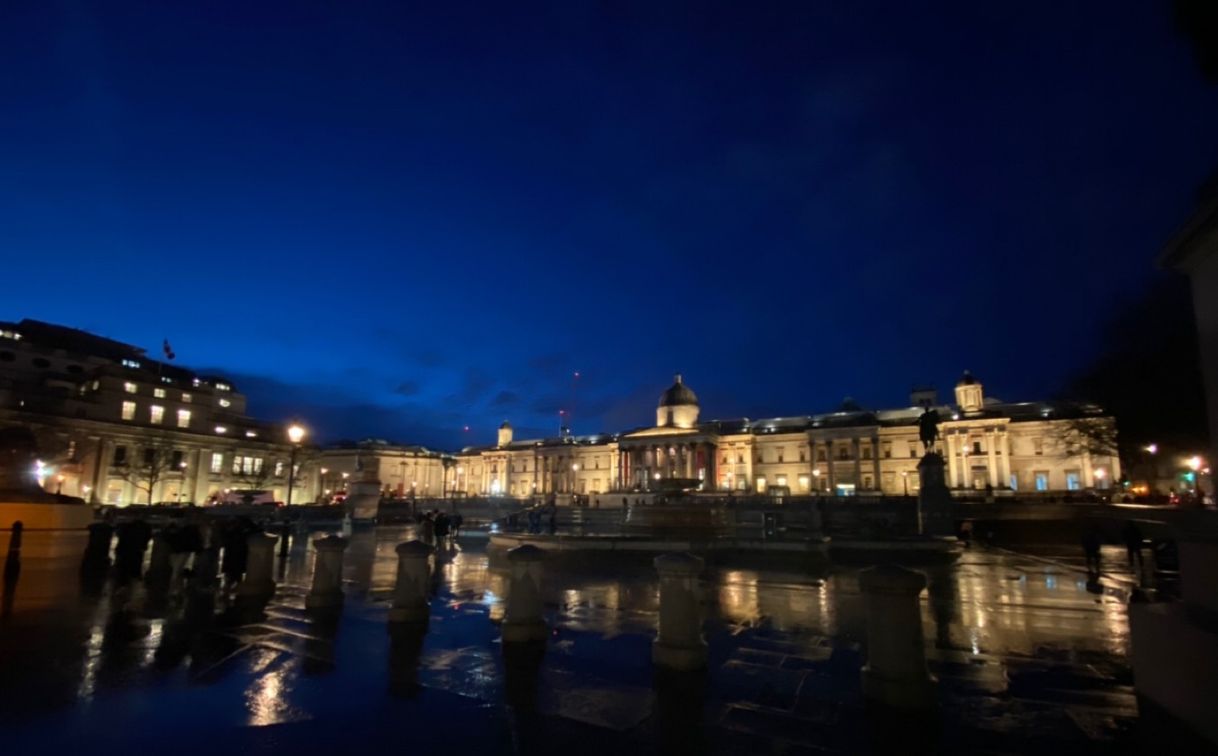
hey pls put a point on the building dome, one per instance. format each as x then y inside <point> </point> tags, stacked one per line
<point>505,426</point>
<point>968,379</point>
<point>678,394</point>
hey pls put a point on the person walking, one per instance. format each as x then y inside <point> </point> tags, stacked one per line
<point>455,523</point>
<point>427,529</point>
<point>441,530</point>
<point>1133,538</point>
<point>1091,551</point>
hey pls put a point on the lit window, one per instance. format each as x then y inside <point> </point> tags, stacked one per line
<point>217,462</point>
<point>805,483</point>
<point>187,398</point>
<point>1014,482</point>
<point>251,434</point>
<point>221,429</point>
<point>1042,481</point>
<point>1072,480</point>
<point>131,364</point>
<point>156,414</point>
<point>130,387</point>
<point>223,387</point>
<point>128,410</point>
<point>782,480</point>
<point>195,382</point>
<point>159,393</point>
<point>183,418</point>
<point>279,467</point>
<point>225,403</point>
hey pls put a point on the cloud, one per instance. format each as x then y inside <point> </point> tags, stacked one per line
<point>505,398</point>
<point>407,388</point>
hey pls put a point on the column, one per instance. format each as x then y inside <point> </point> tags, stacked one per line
<point>858,465</point>
<point>875,456</point>
<point>1004,465</point>
<point>952,463</point>
<point>410,593</point>
<point>991,441</point>
<point>832,472</point>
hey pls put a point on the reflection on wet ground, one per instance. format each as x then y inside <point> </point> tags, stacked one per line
<point>1027,656</point>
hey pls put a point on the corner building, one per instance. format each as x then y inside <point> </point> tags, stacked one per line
<point>1021,447</point>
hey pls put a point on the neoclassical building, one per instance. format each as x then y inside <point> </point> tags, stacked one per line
<point>1025,446</point>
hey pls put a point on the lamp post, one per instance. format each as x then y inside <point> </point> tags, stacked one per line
<point>296,434</point>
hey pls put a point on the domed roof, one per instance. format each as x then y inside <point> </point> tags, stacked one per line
<point>677,394</point>
<point>967,379</point>
<point>506,426</point>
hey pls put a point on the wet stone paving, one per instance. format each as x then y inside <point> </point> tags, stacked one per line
<point>1029,658</point>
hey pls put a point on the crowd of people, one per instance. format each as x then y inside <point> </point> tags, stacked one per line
<point>439,529</point>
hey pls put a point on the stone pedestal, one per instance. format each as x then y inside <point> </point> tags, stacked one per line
<point>363,499</point>
<point>259,582</point>
<point>936,509</point>
<point>327,590</point>
<point>410,604</point>
<point>522,616</point>
<point>679,644</point>
<point>160,567</point>
<point>895,674</point>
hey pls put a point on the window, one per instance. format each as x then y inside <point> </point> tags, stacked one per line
<point>130,387</point>
<point>278,468</point>
<point>120,455</point>
<point>760,484</point>
<point>247,465</point>
<point>977,448</point>
<point>1042,481</point>
<point>149,456</point>
<point>224,403</point>
<point>867,482</point>
<point>223,387</point>
<point>1072,480</point>
<point>183,418</point>
<point>1014,482</point>
<point>781,452</point>
<point>128,410</point>
<point>156,414</point>
<point>221,429</point>
<point>1038,447</point>
<point>887,449</point>
<point>803,455</point>
<point>740,459</point>
<point>217,462</point>
<point>843,452</point>
<point>913,450</point>
<point>159,393</point>
<point>805,483</point>
<point>131,364</point>
<point>782,480</point>
<point>820,455</point>
<point>178,462</point>
<point>187,398</point>
<point>867,453</point>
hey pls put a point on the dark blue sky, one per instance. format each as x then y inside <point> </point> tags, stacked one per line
<point>399,220</point>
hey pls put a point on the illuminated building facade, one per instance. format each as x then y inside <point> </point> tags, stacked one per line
<point>115,426</point>
<point>1021,447</point>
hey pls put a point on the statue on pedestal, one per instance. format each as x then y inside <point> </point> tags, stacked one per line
<point>928,429</point>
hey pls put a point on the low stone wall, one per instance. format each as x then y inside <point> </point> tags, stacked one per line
<point>42,516</point>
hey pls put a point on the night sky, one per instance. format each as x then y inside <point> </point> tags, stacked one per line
<point>398,221</point>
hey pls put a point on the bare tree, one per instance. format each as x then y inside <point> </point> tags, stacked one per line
<point>152,463</point>
<point>1096,436</point>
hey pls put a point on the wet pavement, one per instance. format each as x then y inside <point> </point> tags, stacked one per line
<point>1028,655</point>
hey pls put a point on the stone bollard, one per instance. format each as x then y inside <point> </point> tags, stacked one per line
<point>327,590</point>
<point>160,567</point>
<point>97,552</point>
<point>410,604</point>
<point>895,674</point>
<point>522,616</point>
<point>259,581</point>
<point>679,644</point>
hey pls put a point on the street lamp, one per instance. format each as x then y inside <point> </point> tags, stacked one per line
<point>1099,477</point>
<point>296,434</point>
